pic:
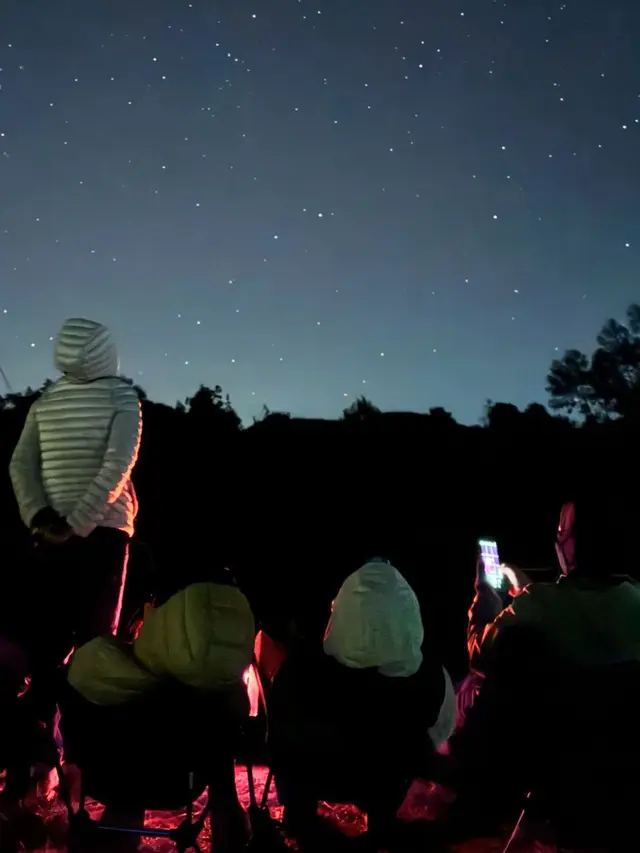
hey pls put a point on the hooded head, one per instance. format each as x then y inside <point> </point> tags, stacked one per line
<point>85,350</point>
<point>594,536</point>
<point>376,622</point>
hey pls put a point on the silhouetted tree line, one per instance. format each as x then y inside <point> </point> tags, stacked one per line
<point>295,503</point>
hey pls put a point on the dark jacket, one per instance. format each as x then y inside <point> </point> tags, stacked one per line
<point>583,621</point>
<point>322,711</point>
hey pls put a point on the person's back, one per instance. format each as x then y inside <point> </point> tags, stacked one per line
<point>376,632</point>
<point>588,621</point>
<point>565,639</point>
<point>591,616</point>
<point>179,683</point>
<point>71,474</point>
<point>354,719</point>
<point>329,711</point>
<point>69,459</point>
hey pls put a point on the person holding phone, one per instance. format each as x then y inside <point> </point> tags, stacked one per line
<point>592,612</point>
<point>526,644</point>
<point>495,585</point>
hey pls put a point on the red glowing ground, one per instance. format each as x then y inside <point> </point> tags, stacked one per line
<point>421,802</point>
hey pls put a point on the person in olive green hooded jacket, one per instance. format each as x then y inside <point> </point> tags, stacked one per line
<point>591,616</point>
<point>538,661</point>
<point>120,704</point>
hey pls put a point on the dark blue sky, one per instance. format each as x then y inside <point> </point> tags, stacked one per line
<point>307,201</point>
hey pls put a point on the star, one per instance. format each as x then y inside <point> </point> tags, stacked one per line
<point>156,208</point>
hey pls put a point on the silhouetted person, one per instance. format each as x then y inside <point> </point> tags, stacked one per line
<point>357,718</point>
<point>592,614</point>
<point>543,660</point>
<point>71,474</point>
<point>174,699</point>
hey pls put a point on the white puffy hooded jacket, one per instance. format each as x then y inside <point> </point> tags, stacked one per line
<point>81,438</point>
<point>376,623</point>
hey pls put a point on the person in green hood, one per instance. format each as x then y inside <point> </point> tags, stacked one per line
<point>592,614</point>
<point>556,667</point>
<point>356,718</point>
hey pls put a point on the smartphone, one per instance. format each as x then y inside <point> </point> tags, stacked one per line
<point>493,573</point>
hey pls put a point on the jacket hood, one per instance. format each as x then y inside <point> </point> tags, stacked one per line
<point>85,350</point>
<point>376,622</point>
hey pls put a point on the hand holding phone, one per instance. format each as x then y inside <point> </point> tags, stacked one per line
<point>516,577</point>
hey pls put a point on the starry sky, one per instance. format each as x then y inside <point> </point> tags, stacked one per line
<point>309,200</point>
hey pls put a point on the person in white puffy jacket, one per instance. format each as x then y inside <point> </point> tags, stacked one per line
<point>357,719</point>
<point>71,474</point>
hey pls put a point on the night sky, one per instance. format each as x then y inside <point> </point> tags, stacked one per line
<point>422,201</point>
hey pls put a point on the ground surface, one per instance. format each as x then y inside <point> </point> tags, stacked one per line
<point>422,802</point>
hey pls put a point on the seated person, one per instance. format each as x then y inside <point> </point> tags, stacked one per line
<point>183,671</point>
<point>529,651</point>
<point>591,614</point>
<point>356,719</point>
